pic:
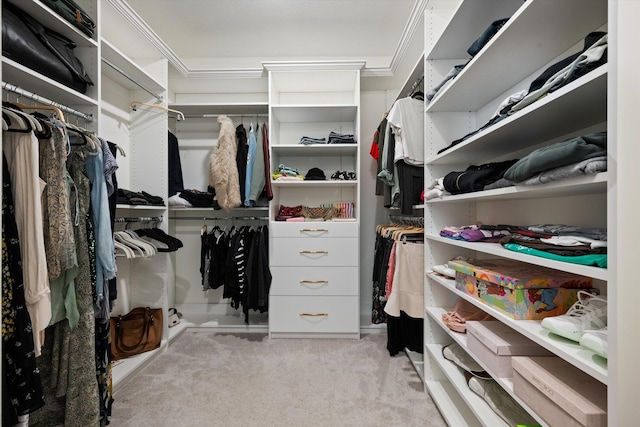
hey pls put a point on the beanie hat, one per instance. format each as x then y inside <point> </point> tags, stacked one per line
<point>315,174</point>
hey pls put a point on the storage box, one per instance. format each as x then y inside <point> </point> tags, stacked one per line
<point>529,303</point>
<point>518,289</point>
<point>514,274</point>
<point>560,393</point>
<point>493,343</point>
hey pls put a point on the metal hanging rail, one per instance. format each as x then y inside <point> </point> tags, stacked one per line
<point>132,80</point>
<point>214,116</point>
<point>42,100</point>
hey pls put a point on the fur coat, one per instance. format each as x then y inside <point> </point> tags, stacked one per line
<point>223,169</point>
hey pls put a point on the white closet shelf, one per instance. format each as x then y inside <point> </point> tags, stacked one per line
<point>120,60</point>
<point>486,74</point>
<point>453,409</point>
<point>55,22</point>
<point>497,249</point>
<point>588,184</point>
<point>568,350</point>
<point>141,207</point>
<point>206,109</point>
<point>313,113</point>
<point>178,210</point>
<point>315,184</point>
<point>506,383</point>
<point>315,150</point>
<point>471,19</point>
<point>478,406</point>
<point>535,123</point>
<point>25,78</point>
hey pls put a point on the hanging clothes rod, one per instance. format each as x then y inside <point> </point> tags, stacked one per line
<point>134,106</point>
<point>225,218</point>
<point>42,100</point>
<point>408,220</point>
<point>131,79</point>
<point>215,116</point>
<point>139,219</point>
<point>417,83</point>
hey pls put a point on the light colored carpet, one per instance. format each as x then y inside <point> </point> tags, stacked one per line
<point>219,379</point>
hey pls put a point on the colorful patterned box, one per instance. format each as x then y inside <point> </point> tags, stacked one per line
<point>519,275</point>
<point>529,303</point>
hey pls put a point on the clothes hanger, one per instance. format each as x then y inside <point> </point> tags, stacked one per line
<point>56,110</point>
<point>133,105</point>
<point>17,122</point>
<point>35,123</point>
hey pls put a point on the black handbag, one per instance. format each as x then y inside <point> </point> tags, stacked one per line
<point>29,43</point>
<point>73,13</point>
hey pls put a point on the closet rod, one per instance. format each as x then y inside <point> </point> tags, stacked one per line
<point>215,116</point>
<point>21,92</point>
<point>139,219</point>
<point>131,79</point>
<point>224,218</point>
<point>408,220</point>
<point>416,85</point>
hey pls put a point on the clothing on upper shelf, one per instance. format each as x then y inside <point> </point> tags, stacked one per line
<point>563,72</point>
<point>475,178</point>
<point>563,153</point>
<point>128,197</point>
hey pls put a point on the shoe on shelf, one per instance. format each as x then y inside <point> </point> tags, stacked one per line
<point>174,317</point>
<point>596,341</point>
<point>588,313</point>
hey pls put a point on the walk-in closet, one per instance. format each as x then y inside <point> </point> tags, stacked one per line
<point>412,196</point>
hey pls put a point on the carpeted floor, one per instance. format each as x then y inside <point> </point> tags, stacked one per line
<point>216,379</point>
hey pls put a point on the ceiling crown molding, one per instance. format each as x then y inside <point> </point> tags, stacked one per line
<point>412,25</point>
<point>313,65</point>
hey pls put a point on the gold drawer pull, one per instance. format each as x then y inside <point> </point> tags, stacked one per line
<point>313,281</point>
<point>314,314</point>
<point>314,252</point>
<point>314,230</point>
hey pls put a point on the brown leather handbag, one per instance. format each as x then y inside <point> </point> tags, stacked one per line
<point>136,332</point>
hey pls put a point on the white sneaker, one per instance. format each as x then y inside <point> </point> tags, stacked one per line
<point>596,341</point>
<point>588,313</point>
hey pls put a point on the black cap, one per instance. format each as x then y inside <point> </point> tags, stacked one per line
<point>315,174</point>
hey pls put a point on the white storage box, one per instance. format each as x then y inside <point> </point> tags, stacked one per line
<point>560,393</point>
<point>493,343</point>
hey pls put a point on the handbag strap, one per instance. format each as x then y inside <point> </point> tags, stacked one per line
<point>148,322</point>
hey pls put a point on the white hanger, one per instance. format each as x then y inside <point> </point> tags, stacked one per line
<point>21,123</point>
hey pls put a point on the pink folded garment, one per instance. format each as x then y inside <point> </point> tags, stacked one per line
<point>295,219</point>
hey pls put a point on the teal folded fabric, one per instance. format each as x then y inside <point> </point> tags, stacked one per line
<point>597,260</point>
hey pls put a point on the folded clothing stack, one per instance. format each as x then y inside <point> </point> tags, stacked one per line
<point>127,197</point>
<point>341,138</point>
<point>306,140</point>
<point>197,198</point>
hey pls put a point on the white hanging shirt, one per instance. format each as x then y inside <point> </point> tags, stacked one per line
<point>406,119</point>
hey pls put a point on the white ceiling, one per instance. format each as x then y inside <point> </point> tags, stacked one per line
<point>240,34</point>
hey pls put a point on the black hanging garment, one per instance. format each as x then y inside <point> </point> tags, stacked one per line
<point>176,183</point>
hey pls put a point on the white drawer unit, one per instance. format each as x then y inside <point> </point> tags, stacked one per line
<point>325,229</point>
<point>314,316</point>
<point>315,264</point>
<point>310,252</point>
<point>310,281</point>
